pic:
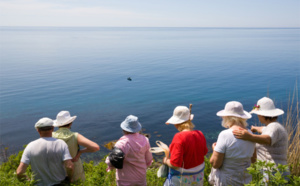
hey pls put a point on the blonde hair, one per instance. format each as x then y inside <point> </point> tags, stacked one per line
<point>229,121</point>
<point>185,125</point>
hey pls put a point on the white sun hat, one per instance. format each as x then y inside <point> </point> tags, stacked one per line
<point>234,108</point>
<point>63,118</point>
<point>180,115</point>
<point>265,107</point>
<point>44,122</point>
<point>131,124</point>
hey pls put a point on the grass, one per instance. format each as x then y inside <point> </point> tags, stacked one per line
<point>292,125</point>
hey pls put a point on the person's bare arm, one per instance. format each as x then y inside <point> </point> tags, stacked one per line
<point>21,171</point>
<point>89,145</point>
<point>256,129</point>
<point>69,168</point>
<point>253,158</point>
<point>216,159</point>
<point>168,163</point>
<point>245,135</point>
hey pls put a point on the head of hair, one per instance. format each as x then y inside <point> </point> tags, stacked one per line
<point>126,132</point>
<point>270,118</point>
<point>67,125</point>
<point>48,128</point>
<point>229,121</point>
<point>185,125</point>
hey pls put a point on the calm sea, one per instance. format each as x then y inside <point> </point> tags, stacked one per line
<point>84,70</point>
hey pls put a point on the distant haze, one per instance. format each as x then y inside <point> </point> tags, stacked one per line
<point>154,13</point>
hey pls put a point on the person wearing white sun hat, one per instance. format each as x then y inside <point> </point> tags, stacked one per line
<point>231,157</point>
<point>272,144</point>
<point>74,140</point>
<point>187,150</point>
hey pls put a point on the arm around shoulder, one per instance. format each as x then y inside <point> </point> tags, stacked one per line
<point>246,135</point>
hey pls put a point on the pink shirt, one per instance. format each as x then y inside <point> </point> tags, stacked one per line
<point>137,159</point>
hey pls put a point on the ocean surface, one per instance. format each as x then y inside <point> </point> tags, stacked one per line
<point>44,70</point>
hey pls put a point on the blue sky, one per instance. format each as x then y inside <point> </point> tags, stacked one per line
<point>151,13</point>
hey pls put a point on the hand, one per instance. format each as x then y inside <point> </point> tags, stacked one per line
<point>241,133</point>
<point>254,129</point>
<point>165,160</point>
<point>76,158</point>
<point>213,145</point>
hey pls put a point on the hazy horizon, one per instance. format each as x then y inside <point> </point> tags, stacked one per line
<point>133,13</point>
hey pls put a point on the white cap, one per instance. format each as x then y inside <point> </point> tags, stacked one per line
<point>44,122</point>
<point>180,115</point>
<point>234,108</point>
<point>265,107</point>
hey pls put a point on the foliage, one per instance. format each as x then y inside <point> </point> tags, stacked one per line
<point>276,175</point>
<point>8,169</point>
<point>292,125</point>
<point>207,170</point>
<point>96,174</point>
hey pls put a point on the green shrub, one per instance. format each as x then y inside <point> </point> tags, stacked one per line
<point>8,171</point>
<point>276,175</point>
<point>96,174</point>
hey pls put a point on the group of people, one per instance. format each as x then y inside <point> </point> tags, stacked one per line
<point>55,156</point>
<point>53,160</point>
<point>236,148</point>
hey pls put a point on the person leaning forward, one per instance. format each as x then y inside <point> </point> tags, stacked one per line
<point>49,158</point>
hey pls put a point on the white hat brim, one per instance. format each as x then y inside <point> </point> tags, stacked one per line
<point>56,124</point>
<point>268,113</point>
<point>175,120</point>
<point>245,115</point>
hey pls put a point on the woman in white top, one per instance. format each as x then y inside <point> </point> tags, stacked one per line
<point>272,144</point>
<point>231,157</point>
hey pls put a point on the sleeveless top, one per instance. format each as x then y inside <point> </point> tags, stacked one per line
<point>71,140</point>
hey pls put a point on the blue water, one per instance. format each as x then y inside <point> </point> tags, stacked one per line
<point>84,70</point>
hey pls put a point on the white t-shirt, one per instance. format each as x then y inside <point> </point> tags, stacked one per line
<point>46,156</point>
<point>277,151</point>
<point>237,159</point>
<point>232,147</point>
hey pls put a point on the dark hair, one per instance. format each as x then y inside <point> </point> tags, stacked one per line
<point>66,125</point>
<point>270,118</point>
<point>126,132</point>
<point>45,128</point>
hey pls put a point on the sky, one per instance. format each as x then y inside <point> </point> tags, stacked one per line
<point>151,13</point>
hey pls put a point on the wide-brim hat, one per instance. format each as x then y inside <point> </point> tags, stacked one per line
<point>265,107</point>
<point>180,114</point>
<point>63,118</point>
<point>234,108</point>
<point>131,124</point>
